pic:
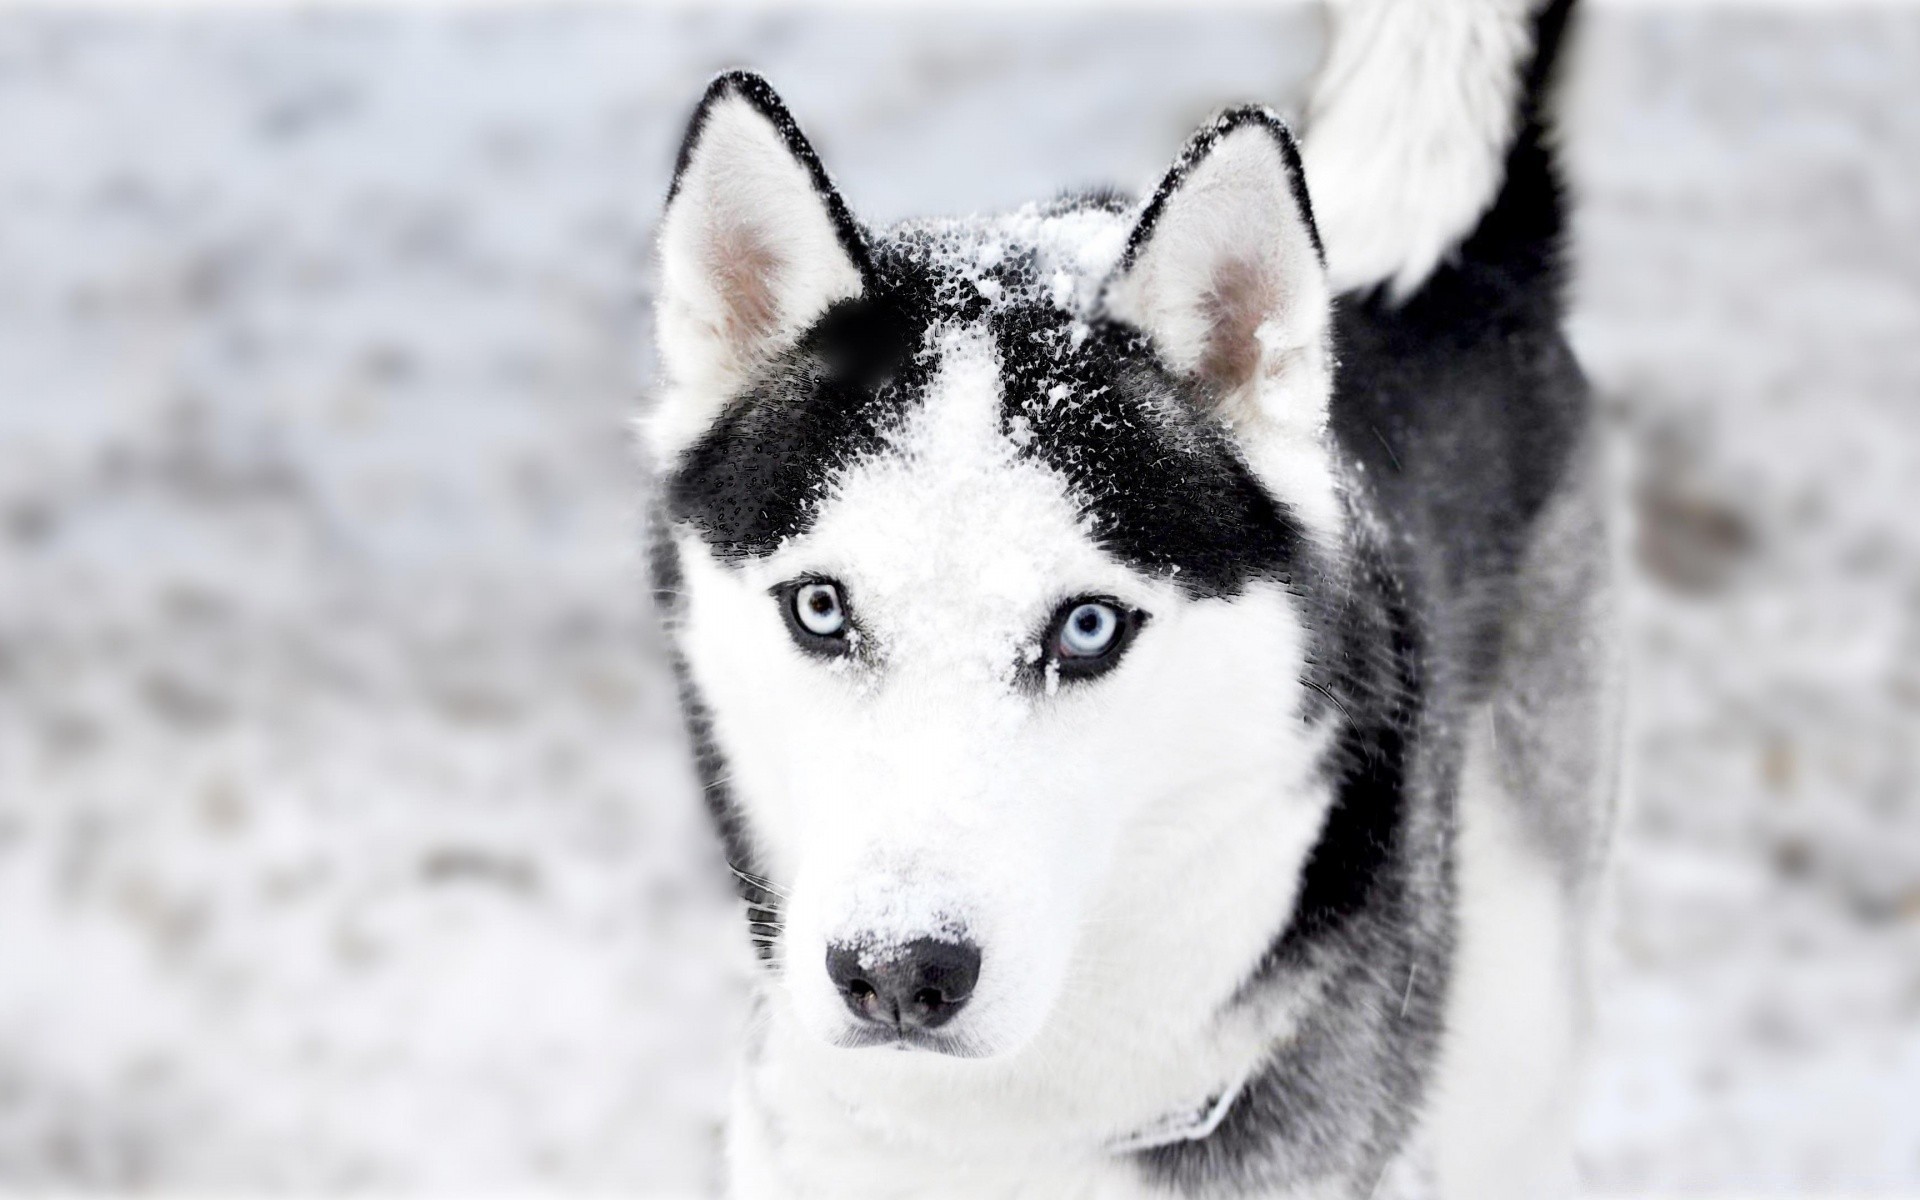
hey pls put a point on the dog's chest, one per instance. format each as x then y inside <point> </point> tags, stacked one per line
<point>818,1157</point>
<point>797,1132</point>
<point>795,1135</point>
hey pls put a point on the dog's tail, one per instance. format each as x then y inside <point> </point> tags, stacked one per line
<point>1427,134</point>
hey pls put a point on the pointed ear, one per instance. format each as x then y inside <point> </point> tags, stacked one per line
<point>755,246</point>
<point>1225,273</point>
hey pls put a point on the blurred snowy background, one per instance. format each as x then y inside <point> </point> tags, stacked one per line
<point>345,839</point>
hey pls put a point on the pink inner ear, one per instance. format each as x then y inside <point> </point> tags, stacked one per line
<point>743,268</point>
<point>1243,295</point>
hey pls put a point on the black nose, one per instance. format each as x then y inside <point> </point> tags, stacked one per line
<point>920,985</point>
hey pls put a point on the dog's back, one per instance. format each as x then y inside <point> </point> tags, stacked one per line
<point>1475,433</point>
<point>1473,428</point>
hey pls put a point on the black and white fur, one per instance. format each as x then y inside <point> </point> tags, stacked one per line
<point>1285,895</point>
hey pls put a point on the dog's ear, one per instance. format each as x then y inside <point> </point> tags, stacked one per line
<point>1225,274</point>
<point>754,247</point>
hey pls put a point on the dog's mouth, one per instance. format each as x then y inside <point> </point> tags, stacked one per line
<point>907,1039</point>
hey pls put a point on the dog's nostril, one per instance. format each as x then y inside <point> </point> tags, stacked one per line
<point>921,984</point>
<point>863,1000</point>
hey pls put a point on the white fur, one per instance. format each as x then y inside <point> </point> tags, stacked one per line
<point>746,220</point>
<point>1408,128</point>
<point>1501,1126</point>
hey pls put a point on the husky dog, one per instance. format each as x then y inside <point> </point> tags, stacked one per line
<point>1151,662</point>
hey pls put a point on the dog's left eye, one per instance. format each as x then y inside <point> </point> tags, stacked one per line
<point>816,612</point>
<point>1087,635</point>
<point>818,608</point>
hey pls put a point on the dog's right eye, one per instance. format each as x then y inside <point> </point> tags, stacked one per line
<point>1087,635</point>
<point>816,612</point>
<point>818,609</point>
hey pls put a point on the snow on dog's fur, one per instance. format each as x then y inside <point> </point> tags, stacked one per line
<point>1085,627</point>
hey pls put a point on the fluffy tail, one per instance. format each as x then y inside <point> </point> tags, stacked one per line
<point>1427,132</point>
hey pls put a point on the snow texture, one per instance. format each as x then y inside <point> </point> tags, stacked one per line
<point>346,837</point>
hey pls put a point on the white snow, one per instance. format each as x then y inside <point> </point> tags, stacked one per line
<point>345,834</point>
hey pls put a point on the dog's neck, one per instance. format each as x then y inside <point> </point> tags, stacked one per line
<point>1194,1124</point>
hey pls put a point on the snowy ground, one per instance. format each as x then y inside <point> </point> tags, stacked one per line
<point>344,835</point>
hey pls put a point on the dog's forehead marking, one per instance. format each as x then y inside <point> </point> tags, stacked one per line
<point>1004,367</point>
<point>951,542</point>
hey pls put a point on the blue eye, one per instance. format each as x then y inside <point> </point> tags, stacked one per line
<point>818,609</point>
<point>1090,630</point>
<point>1088,635</point>
<point>817,615</point>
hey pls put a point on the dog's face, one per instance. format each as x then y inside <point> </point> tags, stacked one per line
<point>987,540</point>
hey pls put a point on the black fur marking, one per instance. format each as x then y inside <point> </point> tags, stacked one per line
<point>1163,484</point>
<point>1202,144</point>
<point>762,905</point>
<point>1524,233</point>
<point>757,93</point>
<point>756,477</point>
<point>1351,857</point>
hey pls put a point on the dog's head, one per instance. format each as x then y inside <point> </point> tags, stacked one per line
<point>986,540</point>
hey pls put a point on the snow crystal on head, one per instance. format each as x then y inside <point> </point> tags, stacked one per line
<point>1047,254</point>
